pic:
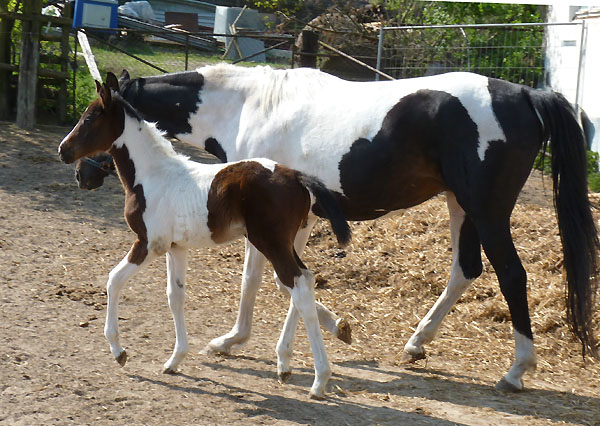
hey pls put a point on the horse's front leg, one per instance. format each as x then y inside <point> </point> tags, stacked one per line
<point>254,265</point>
<point>116,279</point>
<point>176,270</point>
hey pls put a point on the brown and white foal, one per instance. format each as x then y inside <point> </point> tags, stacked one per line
<point>172,204</point>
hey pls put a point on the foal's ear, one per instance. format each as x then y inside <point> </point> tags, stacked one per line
<point>105,96</point>
<point>124,76</point>
<point>111,81</point>
<point>98,86</point>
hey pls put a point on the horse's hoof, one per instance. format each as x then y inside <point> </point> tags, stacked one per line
<point>344,331</point>
<point>408,358</point>
<point>122,358</point>
<point>312,395</point>
<point>506,386</point>
<point>169,370</point>
<point>284,377</point>
<point>211,350</point>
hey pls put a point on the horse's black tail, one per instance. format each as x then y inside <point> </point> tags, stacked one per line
<point>328,206</point>
<point>575,221</point>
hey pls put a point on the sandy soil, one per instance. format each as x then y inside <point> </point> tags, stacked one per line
<point>58,243</point>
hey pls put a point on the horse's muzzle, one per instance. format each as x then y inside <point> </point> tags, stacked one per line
<point>66,156</point>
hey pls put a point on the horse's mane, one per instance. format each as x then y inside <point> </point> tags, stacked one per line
<point>156,136</point>
<point>270,85</point>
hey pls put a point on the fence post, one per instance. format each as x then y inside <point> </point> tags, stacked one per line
<point>28,67</point>
<point>64,66</point>
<point>309,49</point>
<point>187,50</point>
<point>379,52</point>
<point>581,64</point>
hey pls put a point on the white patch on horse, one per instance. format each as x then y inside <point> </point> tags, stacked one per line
<point>265,162</point>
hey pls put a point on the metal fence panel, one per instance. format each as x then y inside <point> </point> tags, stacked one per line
<point>513,52</point>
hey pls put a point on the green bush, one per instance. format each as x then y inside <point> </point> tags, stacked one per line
<point>592,168</point>
<point>594,182</point>
<point>85,91</point>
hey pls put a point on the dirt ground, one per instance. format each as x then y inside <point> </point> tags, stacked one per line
<point>58,243</point>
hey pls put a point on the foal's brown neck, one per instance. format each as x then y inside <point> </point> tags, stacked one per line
<point>135,200</point>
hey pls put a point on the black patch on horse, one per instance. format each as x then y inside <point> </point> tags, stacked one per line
<point>168,100</point>
<point>214,147</point>
<point>469,250</point>
<point>426,144</point>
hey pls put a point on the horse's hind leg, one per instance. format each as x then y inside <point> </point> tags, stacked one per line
<point>254,265</point>
<point>500,250</point>
<point>116,279</point>
<point>466,266</point>
<point>303,303</point>
<point>176,270</point>
<point>328,320</point>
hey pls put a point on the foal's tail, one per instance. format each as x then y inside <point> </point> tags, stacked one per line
<point>575,221</point>
<point>329,206</point>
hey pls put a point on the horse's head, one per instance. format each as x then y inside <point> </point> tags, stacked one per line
<point>90,172</point>
<point>99,126</point>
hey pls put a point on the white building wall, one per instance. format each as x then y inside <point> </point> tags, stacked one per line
<point>563,44</point>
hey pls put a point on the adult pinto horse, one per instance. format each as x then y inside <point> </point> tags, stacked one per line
<point>387,146</point>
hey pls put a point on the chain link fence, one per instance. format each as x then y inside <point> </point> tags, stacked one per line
<point>513,52</point>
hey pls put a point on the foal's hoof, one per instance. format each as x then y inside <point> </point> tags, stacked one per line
<point>122,358</point>
<point>284,377</point>
<point>408,358</point>
<point>312,395</point>
<point>506,386</point>
<point>344,331</point>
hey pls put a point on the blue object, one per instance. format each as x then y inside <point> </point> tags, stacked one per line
<point>95,13</point>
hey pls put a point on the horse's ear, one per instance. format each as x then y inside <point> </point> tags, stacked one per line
<point>105,96</point>
<point>111,81</point>
<point>124,76</point>
<point>98,86</point>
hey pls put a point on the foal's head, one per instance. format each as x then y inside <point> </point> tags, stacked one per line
<point>99,126</point>
<point>90,172</point>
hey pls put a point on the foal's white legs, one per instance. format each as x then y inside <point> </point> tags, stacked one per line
<point>328,320</point>
<point>116,279</point>
<point>429,325</point>
<point>303,300</point>
<point>176,269</point>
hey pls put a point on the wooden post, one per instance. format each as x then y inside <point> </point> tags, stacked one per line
<point>28,67</point>
<point>309,49</point>
<point>5,29</point>
<point>64,66</point>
